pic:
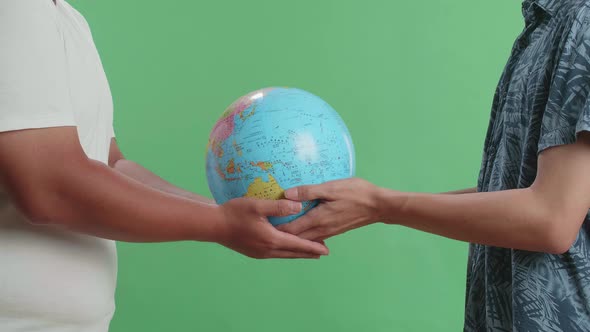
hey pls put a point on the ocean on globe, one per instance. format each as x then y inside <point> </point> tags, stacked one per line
<point>273,139</point>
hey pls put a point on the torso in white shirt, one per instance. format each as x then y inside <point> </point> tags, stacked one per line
<point>50,75</point>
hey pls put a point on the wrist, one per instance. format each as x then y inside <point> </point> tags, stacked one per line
<point>216,229</point>
<point>391,205</point>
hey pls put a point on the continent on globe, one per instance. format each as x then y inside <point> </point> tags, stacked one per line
<point>265,189</point>
<point>225,177</point>
<point>237,148</point>
<point>224,128</point>
<point>231,167</point>
<point>263,165</point>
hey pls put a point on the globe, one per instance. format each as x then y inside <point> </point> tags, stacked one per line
<point>273,139</point>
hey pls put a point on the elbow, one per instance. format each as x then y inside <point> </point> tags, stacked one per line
<point>560,233</point>
<point>47,200</point>
<point>559,245</point>
<point>38,209</point>
<point>51,196</point>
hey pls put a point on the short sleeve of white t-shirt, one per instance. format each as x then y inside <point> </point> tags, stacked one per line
<point>51,74</point>
<point>34,90</point>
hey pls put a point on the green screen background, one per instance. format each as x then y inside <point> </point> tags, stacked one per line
<point>413,80</point>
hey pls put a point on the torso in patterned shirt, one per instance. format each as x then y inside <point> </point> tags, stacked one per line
<point>542,101</point>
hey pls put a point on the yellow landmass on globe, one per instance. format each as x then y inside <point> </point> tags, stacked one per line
<point>265,190</point>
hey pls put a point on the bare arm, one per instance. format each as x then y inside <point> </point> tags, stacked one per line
<point>462,191</point>
<point>143,175</point>
<point>545,217</point>
<point>52,181</point>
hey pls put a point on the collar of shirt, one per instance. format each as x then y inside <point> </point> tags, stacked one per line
<point>548,6</point>
<point>534,9</point>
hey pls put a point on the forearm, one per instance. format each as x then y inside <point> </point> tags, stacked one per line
<point>517,219</point>
<point>462,191</point>
<point>94,199</point>
<point>143,175</point>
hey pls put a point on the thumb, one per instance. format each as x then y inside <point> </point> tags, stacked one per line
<point>277,208</point>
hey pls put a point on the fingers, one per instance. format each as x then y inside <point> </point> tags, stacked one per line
<point>314,234</point>
<point>290,254</point>
<point>291,242</point>
<point>300,224</point>
<point>308,193</point>
<point>276,208</point>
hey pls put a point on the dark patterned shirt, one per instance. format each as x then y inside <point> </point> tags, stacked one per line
<point>542,100</point>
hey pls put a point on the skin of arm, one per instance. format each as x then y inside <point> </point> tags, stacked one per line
<point>135,171</point>
<point>462,191</point>
<point>53,182</point>
<point>546,217</point>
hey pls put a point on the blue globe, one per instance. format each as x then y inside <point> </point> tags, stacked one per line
<point>273,139</point>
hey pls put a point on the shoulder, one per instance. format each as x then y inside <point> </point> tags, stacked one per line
<point>576,13</point>
<point>76,15</point>
<point>19,15</point>
<point>31,41</point>
<point>26,24</point>
<point>573,28</point>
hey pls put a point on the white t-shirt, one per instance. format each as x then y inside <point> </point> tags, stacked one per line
<point>50,75</point>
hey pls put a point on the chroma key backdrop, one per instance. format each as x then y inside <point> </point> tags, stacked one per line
<point>414,82</point>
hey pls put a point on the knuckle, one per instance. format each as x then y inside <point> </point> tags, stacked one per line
<point>288,229</point>
<point>256,207</point>
<point>303,191</point>
<point>330,230</point>
<point>310,218</point>
<point>324,230</point>
<point>323,222</point>
<point>242,205</point>
<point>282,207</point>
<point>271,243</point>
